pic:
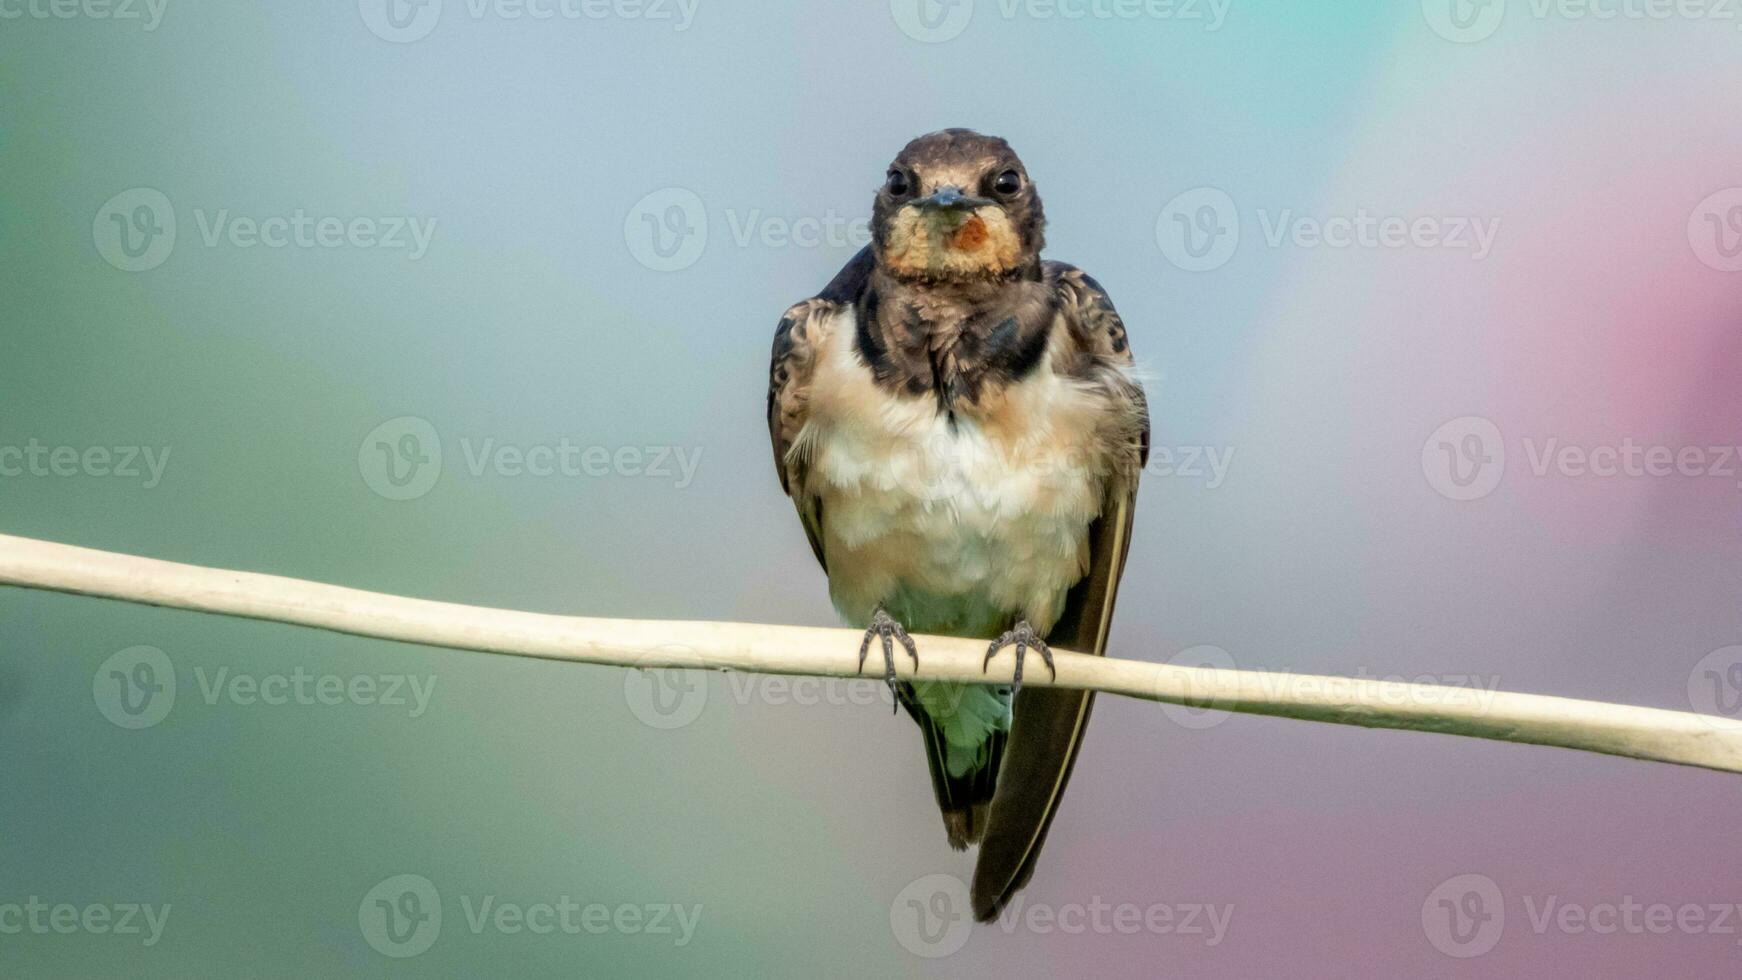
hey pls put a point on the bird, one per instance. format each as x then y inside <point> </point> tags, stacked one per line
<point>961,429</point>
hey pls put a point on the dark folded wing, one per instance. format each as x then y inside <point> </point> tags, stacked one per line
<point>798,341</point>
<point>1048,724</point>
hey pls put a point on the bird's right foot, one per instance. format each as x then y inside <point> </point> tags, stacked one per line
<point>884,627</point>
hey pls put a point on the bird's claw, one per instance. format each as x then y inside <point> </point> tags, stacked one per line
<point>885,627</point>
<point>1024,637</point>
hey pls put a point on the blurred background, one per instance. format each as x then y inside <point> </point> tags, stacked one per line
<point>1439,307</point>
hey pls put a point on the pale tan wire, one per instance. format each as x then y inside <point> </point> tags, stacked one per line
<point>1679,737</point>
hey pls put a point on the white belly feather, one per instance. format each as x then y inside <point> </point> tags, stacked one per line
<point>958,529</point>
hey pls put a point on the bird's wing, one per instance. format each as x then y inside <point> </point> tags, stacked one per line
<point>1048,723</point>
<point>798,341</point>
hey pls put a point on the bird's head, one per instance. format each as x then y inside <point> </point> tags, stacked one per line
<point>956,206</point>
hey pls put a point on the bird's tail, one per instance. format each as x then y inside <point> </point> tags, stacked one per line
<point>1049,726</point>
<point>964,800</point>
<point>1048,729</point>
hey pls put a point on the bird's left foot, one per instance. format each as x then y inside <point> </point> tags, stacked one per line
<point>1025,638</point>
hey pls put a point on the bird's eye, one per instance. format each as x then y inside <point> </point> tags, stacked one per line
<point>1008,183</point>
<point>898,183</point>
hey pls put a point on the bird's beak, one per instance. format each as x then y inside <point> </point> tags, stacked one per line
<point>952,199</point>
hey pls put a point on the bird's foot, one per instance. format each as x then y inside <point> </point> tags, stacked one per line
<point>1025,638</point>
<point>885,627</point>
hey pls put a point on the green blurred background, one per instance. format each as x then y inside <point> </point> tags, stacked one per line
<point>539,151</point>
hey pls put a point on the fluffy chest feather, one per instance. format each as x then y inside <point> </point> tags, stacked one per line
<point>957,525</point>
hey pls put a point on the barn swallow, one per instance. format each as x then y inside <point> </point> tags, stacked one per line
<point>958,424</point>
